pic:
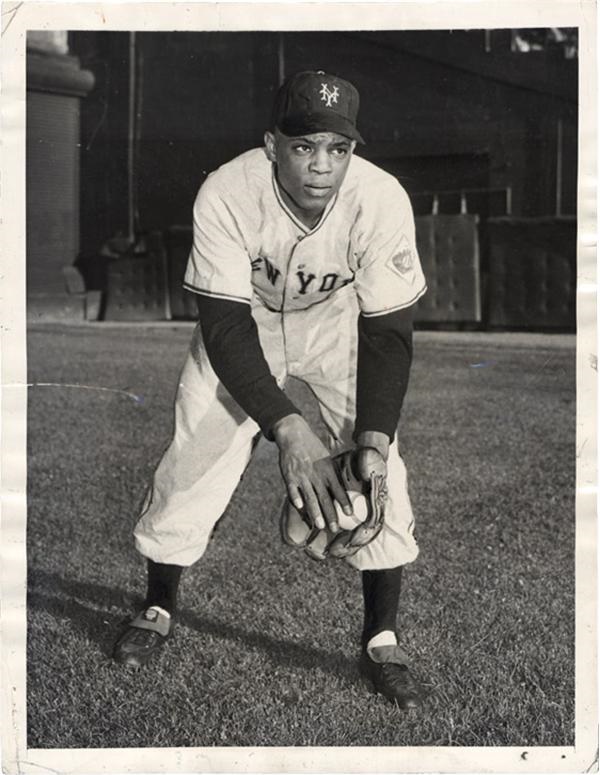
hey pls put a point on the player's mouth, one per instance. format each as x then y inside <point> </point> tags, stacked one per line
<point>317,190</point>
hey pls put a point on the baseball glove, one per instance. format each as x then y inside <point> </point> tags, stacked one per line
<point>368,499</point>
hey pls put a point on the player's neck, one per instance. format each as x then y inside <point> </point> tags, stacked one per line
<point>309,218</point>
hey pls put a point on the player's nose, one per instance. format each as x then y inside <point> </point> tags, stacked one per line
<point>320,162</point>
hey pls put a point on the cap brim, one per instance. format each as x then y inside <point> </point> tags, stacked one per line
<point>307,124</point>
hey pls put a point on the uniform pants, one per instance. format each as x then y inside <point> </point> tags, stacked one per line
<point>213,437</point>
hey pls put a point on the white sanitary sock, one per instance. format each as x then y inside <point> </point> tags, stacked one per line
<point>384,638</point>
<point>160,610</point>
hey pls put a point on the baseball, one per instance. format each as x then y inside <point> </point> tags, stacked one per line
<point>360,506</point>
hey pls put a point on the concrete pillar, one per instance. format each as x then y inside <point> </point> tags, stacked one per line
<point>55,85</point>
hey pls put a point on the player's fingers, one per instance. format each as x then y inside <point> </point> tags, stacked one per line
<point>341,496</point>
<point>311,504</point>
<point>327,507</point>
<point>295,496</point>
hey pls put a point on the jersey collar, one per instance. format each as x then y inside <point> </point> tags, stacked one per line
<point>291,215</point>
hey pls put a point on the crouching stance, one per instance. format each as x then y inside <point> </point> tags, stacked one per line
<point>304,265</point>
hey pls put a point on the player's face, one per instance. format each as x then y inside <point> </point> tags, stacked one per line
<point>311,168</point>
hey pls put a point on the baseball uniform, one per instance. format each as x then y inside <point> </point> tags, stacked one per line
<point>305,287</point>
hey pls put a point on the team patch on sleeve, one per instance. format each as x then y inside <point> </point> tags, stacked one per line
<point>403,261</point>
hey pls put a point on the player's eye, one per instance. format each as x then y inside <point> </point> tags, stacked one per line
<point>340,152</point>
<point>302,149</point>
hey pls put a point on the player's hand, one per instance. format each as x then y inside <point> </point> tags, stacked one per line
<point>372,453</point>
<point>370,461</point>
<point>309,474</point>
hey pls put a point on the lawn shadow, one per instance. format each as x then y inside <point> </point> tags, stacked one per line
<point>91,607</point>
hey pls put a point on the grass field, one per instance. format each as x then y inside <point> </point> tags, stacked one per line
<point>267,640</point>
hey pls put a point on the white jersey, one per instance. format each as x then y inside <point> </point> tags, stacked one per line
<point>249,245</point>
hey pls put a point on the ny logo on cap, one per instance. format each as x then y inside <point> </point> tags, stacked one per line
<point>329,95</point>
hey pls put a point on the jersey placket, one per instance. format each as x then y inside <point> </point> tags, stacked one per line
<point>292,335</point>
<point>292,343</point>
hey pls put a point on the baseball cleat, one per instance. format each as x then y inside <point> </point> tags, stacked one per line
<point>145,635</point>
<point>386,669</point>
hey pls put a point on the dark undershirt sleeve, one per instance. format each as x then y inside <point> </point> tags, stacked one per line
<point>231,339</point>
<point>384,359</point>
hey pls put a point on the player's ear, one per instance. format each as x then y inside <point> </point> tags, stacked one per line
<point>270,146</point>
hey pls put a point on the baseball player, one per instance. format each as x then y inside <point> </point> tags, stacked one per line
<point>304,264</point>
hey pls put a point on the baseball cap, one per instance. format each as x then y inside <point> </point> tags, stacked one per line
<point>315,101</point>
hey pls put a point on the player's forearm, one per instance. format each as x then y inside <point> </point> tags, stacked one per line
<point>383,368</point>
<point>233,348</point>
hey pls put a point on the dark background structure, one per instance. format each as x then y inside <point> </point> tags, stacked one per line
<point>480,126</point>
